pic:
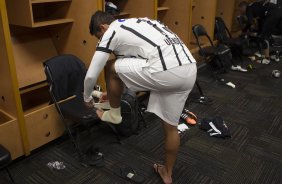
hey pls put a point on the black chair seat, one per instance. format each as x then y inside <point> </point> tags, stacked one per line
<point>213,51</point>
<point>5,157</point>
<point>75,110</point>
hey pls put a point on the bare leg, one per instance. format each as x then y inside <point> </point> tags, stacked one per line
<point>114,85</point>
<point>172,142</point>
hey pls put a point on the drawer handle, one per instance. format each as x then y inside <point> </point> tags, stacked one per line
<point>48,134</point>
<point>45,116</point>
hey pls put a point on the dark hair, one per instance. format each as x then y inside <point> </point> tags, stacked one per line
<point>98,18</point>
<point>243,3</point>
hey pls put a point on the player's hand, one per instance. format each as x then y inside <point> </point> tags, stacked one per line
<point>89,104</point>
<point>104,98</point>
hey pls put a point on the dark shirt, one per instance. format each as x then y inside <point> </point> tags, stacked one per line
<point>257,10</point>
<point>254,10</point>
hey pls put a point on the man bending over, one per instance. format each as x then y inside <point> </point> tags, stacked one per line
<point>149,57</point>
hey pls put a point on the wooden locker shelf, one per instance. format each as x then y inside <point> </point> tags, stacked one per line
<point>51,22</point>
<point>5,117</point>
<point>162,8</point>
<point>39,13</point>
<point>33,87</point>
<point>48,1</point>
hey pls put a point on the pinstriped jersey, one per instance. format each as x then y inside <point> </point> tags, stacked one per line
<point>146,39</point>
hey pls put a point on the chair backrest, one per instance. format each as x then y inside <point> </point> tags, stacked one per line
<point>200,31</point>
<point>222,33</point>
<point>65,75</point>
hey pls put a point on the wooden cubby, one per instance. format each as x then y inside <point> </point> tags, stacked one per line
<point>35,99</point>
<point>167,11</point>
<point>38,13</point>
<point>50,13</point>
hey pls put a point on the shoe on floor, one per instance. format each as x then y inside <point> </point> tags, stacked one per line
<point>265,61</point>
<point>252,58</point>
<point>275,58</point>
<point>238,68</point>
<point>258,54</point>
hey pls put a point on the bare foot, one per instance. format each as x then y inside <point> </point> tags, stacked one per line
<point>160,169</point>
<point>99,113</point>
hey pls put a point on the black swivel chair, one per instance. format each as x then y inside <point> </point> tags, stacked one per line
<point>5,159</point>
<point>65,75</point>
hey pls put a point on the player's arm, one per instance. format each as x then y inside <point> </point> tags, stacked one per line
<point>98,62</point>
<point>103,50</point>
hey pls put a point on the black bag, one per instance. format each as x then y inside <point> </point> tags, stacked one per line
<point>130,114</point>
<point>222,60</point>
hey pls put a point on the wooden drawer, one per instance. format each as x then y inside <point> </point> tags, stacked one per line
<point>43,125</point>
<point>10,138</point>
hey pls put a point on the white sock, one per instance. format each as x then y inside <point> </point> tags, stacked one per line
<point>113,116</point>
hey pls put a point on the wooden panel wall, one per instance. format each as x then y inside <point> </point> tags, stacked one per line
<point>20,14</point>
<point>225,10</point>
<point>75,38</point>
<point>204,13</point>
<point>176,21</point>
<point>31,49</point>
<point>140,8</point>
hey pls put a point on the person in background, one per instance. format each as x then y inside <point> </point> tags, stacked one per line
<point>267,16</point>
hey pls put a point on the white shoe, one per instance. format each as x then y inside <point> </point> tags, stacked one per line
<point>252,58</point>
<point>238,68</point>
<point>265,61</point>
<point>258,54</point>
<point>274,58</point>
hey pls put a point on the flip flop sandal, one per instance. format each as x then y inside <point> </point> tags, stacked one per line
<point>129,174</point>
<point>156,168</point>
